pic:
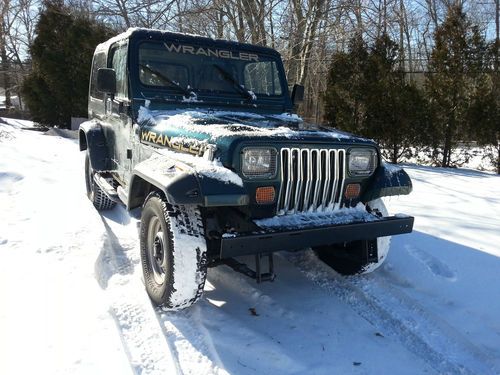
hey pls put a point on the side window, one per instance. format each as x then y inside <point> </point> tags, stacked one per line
<point>99,61</point>
<point>119,64</point>
<point>262,78</point>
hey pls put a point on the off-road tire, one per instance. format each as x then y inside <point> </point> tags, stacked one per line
<point>98,198</point>
<point>336,256</point>
<point>173,253</point>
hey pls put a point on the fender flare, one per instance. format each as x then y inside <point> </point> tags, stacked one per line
<point>388,180</point>
<point>91,137</point>
<point>182,186</point>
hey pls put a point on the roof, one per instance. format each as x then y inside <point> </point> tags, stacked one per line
<point>142,33</point>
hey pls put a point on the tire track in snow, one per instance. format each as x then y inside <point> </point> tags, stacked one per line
<point>190,340</point>
<point>143,328</point>
<point>402,318</point>
<point>147,350</point>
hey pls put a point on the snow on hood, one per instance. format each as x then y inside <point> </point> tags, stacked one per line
<point>218,124</point>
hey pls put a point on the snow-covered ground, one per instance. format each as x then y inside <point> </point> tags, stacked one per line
<point>72,298</point>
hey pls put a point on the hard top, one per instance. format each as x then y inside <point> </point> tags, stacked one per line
<point>137,34</point>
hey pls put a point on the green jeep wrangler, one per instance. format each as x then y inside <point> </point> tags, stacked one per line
<point>201,134</point>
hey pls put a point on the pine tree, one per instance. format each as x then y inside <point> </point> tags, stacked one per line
<point>484,110</point>
<point>395,108</point>
<point>368,95</point>
<point>456,72</point>
<point>62,54</point>
<point>345,95</point>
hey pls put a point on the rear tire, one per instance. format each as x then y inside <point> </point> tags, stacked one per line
<point>173,253</point>
<point>347,259</point>
<point>98,198</point>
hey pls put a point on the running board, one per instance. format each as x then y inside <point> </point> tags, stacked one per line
<point>122,195</point>
<point>257,275</point>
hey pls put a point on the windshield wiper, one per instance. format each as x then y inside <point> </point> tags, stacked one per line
<point>164,78</point>
<point>228,77</point>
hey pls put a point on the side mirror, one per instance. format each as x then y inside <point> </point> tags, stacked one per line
<point>297,94</point>
<point>106,80</point>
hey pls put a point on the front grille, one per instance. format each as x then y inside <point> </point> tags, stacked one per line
<point>311,180</point>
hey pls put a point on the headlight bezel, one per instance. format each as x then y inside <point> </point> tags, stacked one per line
<point>273,162</point>
<point>372,161</point>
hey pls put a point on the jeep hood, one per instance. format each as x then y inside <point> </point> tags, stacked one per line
<point>194,130</point>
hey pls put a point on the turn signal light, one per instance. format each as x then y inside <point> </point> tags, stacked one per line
<point>352,191</point>
<point>265,195</point>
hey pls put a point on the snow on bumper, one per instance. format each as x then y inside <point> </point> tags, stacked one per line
<point>273,238</point>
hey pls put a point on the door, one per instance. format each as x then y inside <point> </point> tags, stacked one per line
<point>118,113</point>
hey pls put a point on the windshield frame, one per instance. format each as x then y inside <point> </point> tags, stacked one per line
<point>227,98</point>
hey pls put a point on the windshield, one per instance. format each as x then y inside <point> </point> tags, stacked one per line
<point>206,70</point>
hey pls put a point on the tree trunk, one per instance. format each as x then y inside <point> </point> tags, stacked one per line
<point>220,24</point>
<point>447,147</point>
<point>395,151</point>
<point>401,37</point>
<point>5,73</point>
<point>314,14</point>
<point>3,55</point>
<point>498,157</point>
<point>271,28</point>
<point>180,23</point>
<point>254,14</point>
<point>497,30</point>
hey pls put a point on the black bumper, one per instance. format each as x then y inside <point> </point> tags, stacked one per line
<point>297,239</point>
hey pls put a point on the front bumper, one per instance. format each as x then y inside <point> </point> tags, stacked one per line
<point>272,240</point>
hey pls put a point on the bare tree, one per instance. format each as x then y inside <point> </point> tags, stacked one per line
<point>136,13</point>
<point>4,27</point>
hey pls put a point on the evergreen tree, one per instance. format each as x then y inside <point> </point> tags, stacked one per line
<point>456,75</point>
<point>484,110</point>
<point>368,95</point>
<point>62,53</point>
<point>396,109</point>
<point>344,98</point>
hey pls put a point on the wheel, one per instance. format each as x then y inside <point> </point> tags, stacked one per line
<point>350,258</point>
<point>173,253</point>
<point>94,192</point>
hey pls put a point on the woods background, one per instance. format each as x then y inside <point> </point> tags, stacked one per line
<point>329,46</point>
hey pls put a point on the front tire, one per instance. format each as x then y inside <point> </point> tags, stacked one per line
<point>98,198</point>
<point>173,253</point>
<point>348,258</point>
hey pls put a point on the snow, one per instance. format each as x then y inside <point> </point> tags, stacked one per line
<point>185,258</point>
<point>317,219</point>
<point>14,101</point>
<point>118,38</point>
<point>161,164</point>
<point>192,99</point>
<point>259,125</point>
<point>252,94</point>
<point>73,300</point>
<point>466,155</point>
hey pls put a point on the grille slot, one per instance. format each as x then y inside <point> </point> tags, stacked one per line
<point>311,180</point>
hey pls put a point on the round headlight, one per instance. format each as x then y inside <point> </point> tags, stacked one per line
<point>258,162</point>
<point>362,162</point>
